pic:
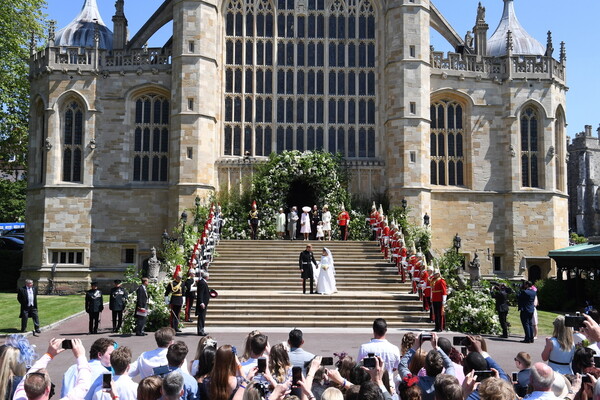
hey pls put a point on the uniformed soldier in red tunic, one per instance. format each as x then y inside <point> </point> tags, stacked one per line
<point>439,292</point>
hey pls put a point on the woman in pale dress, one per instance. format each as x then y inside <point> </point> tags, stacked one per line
<point>305,222</point>
<point>281,223</point>
<point>326,283</point>
<point>326,219</point>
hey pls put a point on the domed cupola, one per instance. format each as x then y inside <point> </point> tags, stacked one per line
<point>80,32</point>
<point>523,42</point>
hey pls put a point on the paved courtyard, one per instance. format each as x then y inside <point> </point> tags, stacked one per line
<point>319,341</point>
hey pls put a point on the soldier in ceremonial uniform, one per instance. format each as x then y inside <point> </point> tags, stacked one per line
<point>190,294</point>
<point>343,222</point>
<point>403,265</point>
<point>176,289</point>
<point>202,301</point>
<point>373,220</point>
<point>254,221</point>
<point>305,264</point>
<point>426,288</point>
<point>94,306</point>
<point>116,303</point>
<point>439,292</point>
<point>385,238</point>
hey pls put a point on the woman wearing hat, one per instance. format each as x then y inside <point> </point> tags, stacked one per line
<point>305,222</point>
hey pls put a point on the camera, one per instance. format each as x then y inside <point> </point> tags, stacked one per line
<point>460,341</point>
<point>327,361</point>
<point>586,379</point>
<point>370,362</point>
<point>574,321</point>
<point>425,336</point>
<point>483,375</point>
<point>515,376</point>
<point>67,344</point>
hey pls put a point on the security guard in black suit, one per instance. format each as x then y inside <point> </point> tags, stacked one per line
<point>177,291</point>
<point>94,306</point>
<point>117,302</point>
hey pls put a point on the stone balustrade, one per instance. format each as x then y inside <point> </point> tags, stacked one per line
<point>530,67</point>
<point>89,59</point>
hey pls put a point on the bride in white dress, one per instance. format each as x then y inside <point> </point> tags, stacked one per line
<point>326,282</point>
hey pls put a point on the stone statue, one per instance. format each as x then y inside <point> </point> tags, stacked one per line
<point>153,266</point>
<point>469,40</point>
<point>474,272</point>
<point>480,13</point>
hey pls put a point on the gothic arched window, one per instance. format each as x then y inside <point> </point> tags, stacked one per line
<point>560,144</point>
<point>73,135</point>
<point>151,139</point>
<point>529,148</point>
<point>446,143</point>
<point>299,74</point>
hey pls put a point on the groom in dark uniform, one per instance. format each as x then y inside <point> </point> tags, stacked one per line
<point>305,264</point>
<point>202,301</point>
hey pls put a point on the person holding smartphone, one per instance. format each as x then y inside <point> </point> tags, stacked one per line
<point>120,385</point>
<point>380,346</point>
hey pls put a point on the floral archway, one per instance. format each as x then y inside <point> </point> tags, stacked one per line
<point>322,172</point>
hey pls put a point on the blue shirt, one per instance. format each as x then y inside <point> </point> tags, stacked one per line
<point>70,377</point>
<point>190,385</point>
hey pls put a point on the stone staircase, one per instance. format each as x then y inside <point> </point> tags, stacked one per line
<point>259,285</point>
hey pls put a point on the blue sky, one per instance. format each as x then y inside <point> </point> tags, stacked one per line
<point>574,23</point>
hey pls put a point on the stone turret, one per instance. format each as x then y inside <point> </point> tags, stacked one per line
<point>80,32</point>
<point>480,30</point>
<point>523,42</point>
<point>121,33</point>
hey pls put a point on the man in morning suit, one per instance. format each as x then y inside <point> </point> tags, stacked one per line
<point>141,308</point>
<point>202,302</point>
<point>305,265</point>
<point>525,302</point>
<point>116,303</point>
<point>27,297</point>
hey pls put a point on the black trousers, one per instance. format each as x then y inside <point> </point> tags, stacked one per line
<point>344,232</point>
<point>503,323</point>
<point>94,321</point>
<point>175,312</point>
<point>117,320</point>
<point>438,314</point>
<point>30,312</point>
<point>526,320</point>
<point>201,319</point>
<point>312,282</point>
<point>140,324</point>
<point>254,231</point>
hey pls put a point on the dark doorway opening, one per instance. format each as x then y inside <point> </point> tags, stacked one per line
<point>301,194</point>
<point>535,273</point>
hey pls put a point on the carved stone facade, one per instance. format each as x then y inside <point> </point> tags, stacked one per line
<point>123,140</point>
<point>584,183</point>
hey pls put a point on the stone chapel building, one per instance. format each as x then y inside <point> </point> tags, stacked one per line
<point>123,137</point>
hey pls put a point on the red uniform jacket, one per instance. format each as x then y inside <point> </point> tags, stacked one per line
<point>439,289</point>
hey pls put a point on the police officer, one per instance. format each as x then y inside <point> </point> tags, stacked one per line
<point>176,289</point>
<point>94,306</point>
<point>116,303</point>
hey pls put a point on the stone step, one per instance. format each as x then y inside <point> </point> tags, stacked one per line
<point>308,321</point>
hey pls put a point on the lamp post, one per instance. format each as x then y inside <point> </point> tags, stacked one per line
<point>404,204</point>
<point>197,216</point>
<point>426,220</point>
<point>457,241</point>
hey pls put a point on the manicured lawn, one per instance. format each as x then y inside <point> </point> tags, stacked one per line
<point>545,320</point>
<point>50,310</point>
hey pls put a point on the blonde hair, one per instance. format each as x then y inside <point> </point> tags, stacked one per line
<point>562,333</point>
<point>417,362</point>
<point>9,368</point>
<point>332,394</point>
<point>279,362</point>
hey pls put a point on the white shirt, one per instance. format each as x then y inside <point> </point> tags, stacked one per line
<point>30,296</point>
<point>124,386</point>
<point>389,353</point>
<point>147,361</point>
<point>549,395</point>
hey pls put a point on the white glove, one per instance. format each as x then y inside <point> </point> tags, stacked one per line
<point>167,300</point>
<point>444,297</point>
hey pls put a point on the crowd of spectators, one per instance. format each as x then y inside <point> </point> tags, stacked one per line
<point>424,367</point>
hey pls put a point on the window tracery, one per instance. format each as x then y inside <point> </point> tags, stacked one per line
<point>151,139</point>
<point>529,148</point>
<point>73,135</point>
<point>300,75</point>
<point>446,143</point>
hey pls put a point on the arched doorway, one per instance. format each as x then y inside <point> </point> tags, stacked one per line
<point>300,194</point>
<point>534,274</point>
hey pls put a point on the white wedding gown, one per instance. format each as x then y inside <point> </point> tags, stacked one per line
<point>326,282</point>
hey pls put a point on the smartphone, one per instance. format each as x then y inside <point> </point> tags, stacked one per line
<point>67,344</point>
<point>597,361</point>
<point>515,376</point>
<point>586,379</point>
<point>425,336</point>
<point>460,341</point>
<point>327,361</point>
<point>262,365</point>
<point>483,375</point>
<point>106,378</point>
<point>464,351</point>
<point>296,375</point>
<point>162,370</point>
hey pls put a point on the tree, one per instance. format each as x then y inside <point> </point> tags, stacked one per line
<point>12,200</point>
<point>19,20</point>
